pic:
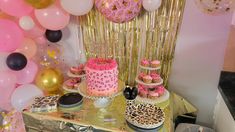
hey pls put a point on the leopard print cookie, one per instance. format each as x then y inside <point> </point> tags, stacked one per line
<point>45,104</point>
<point>145,115</point>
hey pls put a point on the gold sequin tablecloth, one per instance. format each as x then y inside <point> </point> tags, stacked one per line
<point>109,119</point>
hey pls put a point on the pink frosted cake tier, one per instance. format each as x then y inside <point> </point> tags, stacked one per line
<point>101,77</point>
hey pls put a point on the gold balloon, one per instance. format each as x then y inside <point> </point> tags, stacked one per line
<point>49,79</point>
<point>40,4</point>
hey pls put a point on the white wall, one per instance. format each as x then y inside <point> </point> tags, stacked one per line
<point>199,59</point>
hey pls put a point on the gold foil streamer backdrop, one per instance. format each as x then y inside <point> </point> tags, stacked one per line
<point>151,35</point>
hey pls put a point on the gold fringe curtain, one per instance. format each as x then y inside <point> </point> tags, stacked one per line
<point>151,35</point>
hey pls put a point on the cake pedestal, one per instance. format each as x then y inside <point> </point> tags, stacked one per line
<point>103,102</point>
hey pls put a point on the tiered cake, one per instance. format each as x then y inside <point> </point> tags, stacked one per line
<point>101,77</point>
<point>150,83</point>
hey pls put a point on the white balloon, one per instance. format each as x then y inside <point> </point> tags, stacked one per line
<point>151,5</point>
<point>3,64</point>
<point>23,96</point>
<point>26,22</point>
<point>77,7</point>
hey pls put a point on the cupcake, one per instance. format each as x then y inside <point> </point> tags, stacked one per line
<point>71,83</point>
<point>143,92</point>
<point>147,79</point>
<point>155,63</point>
<point>141,75</point>
<point>160,90</point>
<point>156,78</point>
<point>153,94</point>
<point>145,63</point>
<point>77,70</point>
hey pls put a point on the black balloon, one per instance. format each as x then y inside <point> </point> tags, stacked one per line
<point>16,61</point>
<point>53,36</point>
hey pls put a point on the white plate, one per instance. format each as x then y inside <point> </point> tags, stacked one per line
<point>150,68</point>
<point>73,75</point>
<point>158,100</point>
<point>68,89</point>
<point>148,84</point>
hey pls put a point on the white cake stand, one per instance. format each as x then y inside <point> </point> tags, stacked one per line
<point>148,84</point>
<point>161,99</point>
<point>74,75</point>
<point>100,101</point>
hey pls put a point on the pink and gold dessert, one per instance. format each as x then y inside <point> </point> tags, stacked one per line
<point>156,77</point>
<point>141,75</point>
<point>79,70</point>
<point>147,79</point>
<point>143,92</point>
<point>155,63</point>
<point>71,83</point>
<point>156,92</point>
<point>145,63</point>
<point>101,77</point>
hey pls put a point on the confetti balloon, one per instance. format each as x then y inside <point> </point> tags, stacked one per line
<point>49,79</point>
<point>39,4</point>
<point>215,7</point>
<point>119,11</point>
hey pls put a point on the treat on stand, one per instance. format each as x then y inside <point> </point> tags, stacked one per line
<point>143,92</point>
<point>155,63</point>
<point>141,75</point>
<point>77,70</point>
<point>156,78</point>
<point>101,77</point>
<point>145,63</point>
<point>45,104</point>
<point>147,79</point>
<point>72,83</point>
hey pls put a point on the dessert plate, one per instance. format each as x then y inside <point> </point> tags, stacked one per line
<point>74,75</point>
<point>158,100</point>
<point>145,116</point>
<point>148,84</point>
<point>69,89</point>
<point>150,68</point>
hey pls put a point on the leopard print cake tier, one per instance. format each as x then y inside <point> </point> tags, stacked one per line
<point>145,116</point>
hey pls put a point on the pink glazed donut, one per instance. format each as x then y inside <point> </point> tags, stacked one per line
<point>119,11</point>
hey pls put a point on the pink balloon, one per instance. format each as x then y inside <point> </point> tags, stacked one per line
<point>37,31</point>
<point>28,74</point>
<point>15,7</point>
<point>28,48</point>
<point>41,40</point>
<point>53,17</point>
<point>7,86</point>
<point>11,35</point>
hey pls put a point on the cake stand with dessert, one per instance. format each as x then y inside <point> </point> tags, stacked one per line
<point>101,83</point>
<point>76,74</point>
<point>150,84</point>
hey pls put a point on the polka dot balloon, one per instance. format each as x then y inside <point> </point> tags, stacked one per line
<point>216,7</point>
<point>119,11</point>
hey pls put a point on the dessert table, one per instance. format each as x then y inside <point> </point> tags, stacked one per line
<point>89,118</point>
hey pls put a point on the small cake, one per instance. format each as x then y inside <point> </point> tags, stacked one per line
<point>146,116</point>
<point>45,104</point>
<point>71,83</point>
<point>141,75</point>
<point>145,63</point>
<point>142,91</point>
<point>156,78</point>
<point>77,70</point>
<point>155,63</point>
<point>147,79</point>
<point>101,77</point>
<point>160,89</point>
